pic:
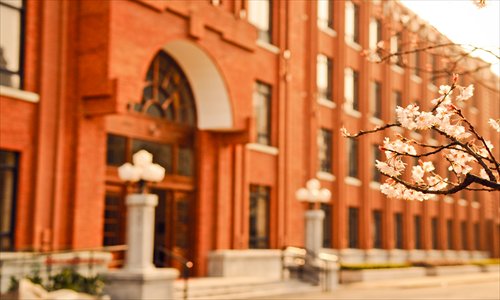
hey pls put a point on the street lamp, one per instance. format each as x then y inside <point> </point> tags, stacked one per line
<point>141,210</point>
<point>314,195</point>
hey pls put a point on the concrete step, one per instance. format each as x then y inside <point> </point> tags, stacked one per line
<point>240,288</point>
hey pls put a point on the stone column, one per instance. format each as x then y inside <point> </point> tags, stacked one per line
<point>139,279</point>
<point>314,230</point>
<point>140,231</point>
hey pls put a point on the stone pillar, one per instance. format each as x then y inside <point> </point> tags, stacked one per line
<point>140,231</point>
<point>139,279</point>
<point>314,230</point>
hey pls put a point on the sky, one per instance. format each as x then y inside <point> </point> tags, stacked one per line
<point>463,22</point>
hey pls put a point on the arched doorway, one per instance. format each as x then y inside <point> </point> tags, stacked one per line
<point>163,123</point>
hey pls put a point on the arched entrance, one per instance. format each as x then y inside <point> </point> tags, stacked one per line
<point>163,123</point>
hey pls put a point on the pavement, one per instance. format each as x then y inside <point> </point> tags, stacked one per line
<point>467,286</point>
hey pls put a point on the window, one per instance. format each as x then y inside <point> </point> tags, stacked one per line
<point>434,225</point>
<point>477,240</point>
<point>377,229</point>
<point>327,225</point>
<point>375,35</point>
<point>114,220</point>
<point>259,217</point>
<point>396,42</point>
<point>449,228</point>
<point>416,63</point>
<point>352,22</point>
<point>261,16</point>
<point>434,68</point>
<point>325,14</point>
<point>377,155</point>
<point>9,166</point>
<point>397,99</point>
<point>11,43</point>
<point>324,77</point>
<point>351,89</point>
<point>398,228</point>
<point>418,232</point>
<point>376,98</point>
<point>352,148</point>
<point>325,150</point>
<point>463,226</point>
<point>116,154</point>
<point>353,227</point>
<point>167,94</point>
<point>262,111</point>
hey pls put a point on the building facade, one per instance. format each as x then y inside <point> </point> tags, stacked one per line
<point>242,102</point>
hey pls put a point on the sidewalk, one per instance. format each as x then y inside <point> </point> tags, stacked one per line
<point>468,286</point>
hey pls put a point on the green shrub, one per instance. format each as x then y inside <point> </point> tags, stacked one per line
<point>438,263</point>
<point>344,266</point>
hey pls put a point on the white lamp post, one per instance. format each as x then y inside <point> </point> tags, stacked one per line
<point>314,195</point>
<point>140,207</point>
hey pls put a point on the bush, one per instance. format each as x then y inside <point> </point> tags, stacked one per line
<point>373,266</point>
<point>438,263</point>
<point>486,262</point>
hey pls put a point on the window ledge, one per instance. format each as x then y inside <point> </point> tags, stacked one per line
<point>398,129</point>
<point>376,121</point>
<point>351,112</point>
<point>415,135</point>
<point>352,44</point>
<point>432,87</point>
<point>327,103</point>
<point>19,94</point>
<point>462,202</point>
<point>327,30</point>
<point>262,148</point>
<point>326,176</point>
<point>474,110</point>
<point>475,204</point>
<point>448,200</point>
<point>416,78</point>
<point>352,181</point>
<point>268,47</point>
<point>375,185</point>
<point>397,69</point>
<point>432,141</point>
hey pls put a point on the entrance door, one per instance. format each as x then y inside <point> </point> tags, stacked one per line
<point>173,225</point>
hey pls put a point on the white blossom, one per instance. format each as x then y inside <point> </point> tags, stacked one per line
<point>465,92</point>
<point>495,124</point>
<point>417,174</point>
<point>428,166</point>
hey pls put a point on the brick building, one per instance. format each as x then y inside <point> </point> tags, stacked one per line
<point>242,102</point>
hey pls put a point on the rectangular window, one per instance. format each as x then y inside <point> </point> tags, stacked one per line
<point>114,220</point>
<point>376,99</point>
<point>377,155</point>
<point>435,69</point>
<point>261,16</point>
<point>327,225</point>
<point>116,150</point>
<point>352,22</point>
<point>396,42</point>
<point>262,112</point>
<point>325,150</point>
<point>449,228</point>
<point>259,217</point>
<point>375,35</point>
<point>325,14</point>
<point>11,43</point>
<point>463,226</point>
<point>418,232</point>
<point>397,99</point>
<point>351,89</point>
<point>477,240</point>
<point>353,227</point>
<point>377,229</point>
<point>434,225</point>
<point>416,63</point>
<point>324,78</point>
<point>9,167</point>
<point>352,149</point>
<point>398,230</point>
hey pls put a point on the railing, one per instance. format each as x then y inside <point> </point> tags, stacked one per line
<point>187,265</point>
<point>308,266</point>
<point>22,264</point>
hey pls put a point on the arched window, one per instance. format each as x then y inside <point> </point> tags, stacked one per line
<point>167,94</point>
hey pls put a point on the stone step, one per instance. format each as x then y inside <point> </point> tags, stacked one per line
<point>240,288</point>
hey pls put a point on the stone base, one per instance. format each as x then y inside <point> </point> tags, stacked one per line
<point>151,284</point>
<point>245,263</point>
